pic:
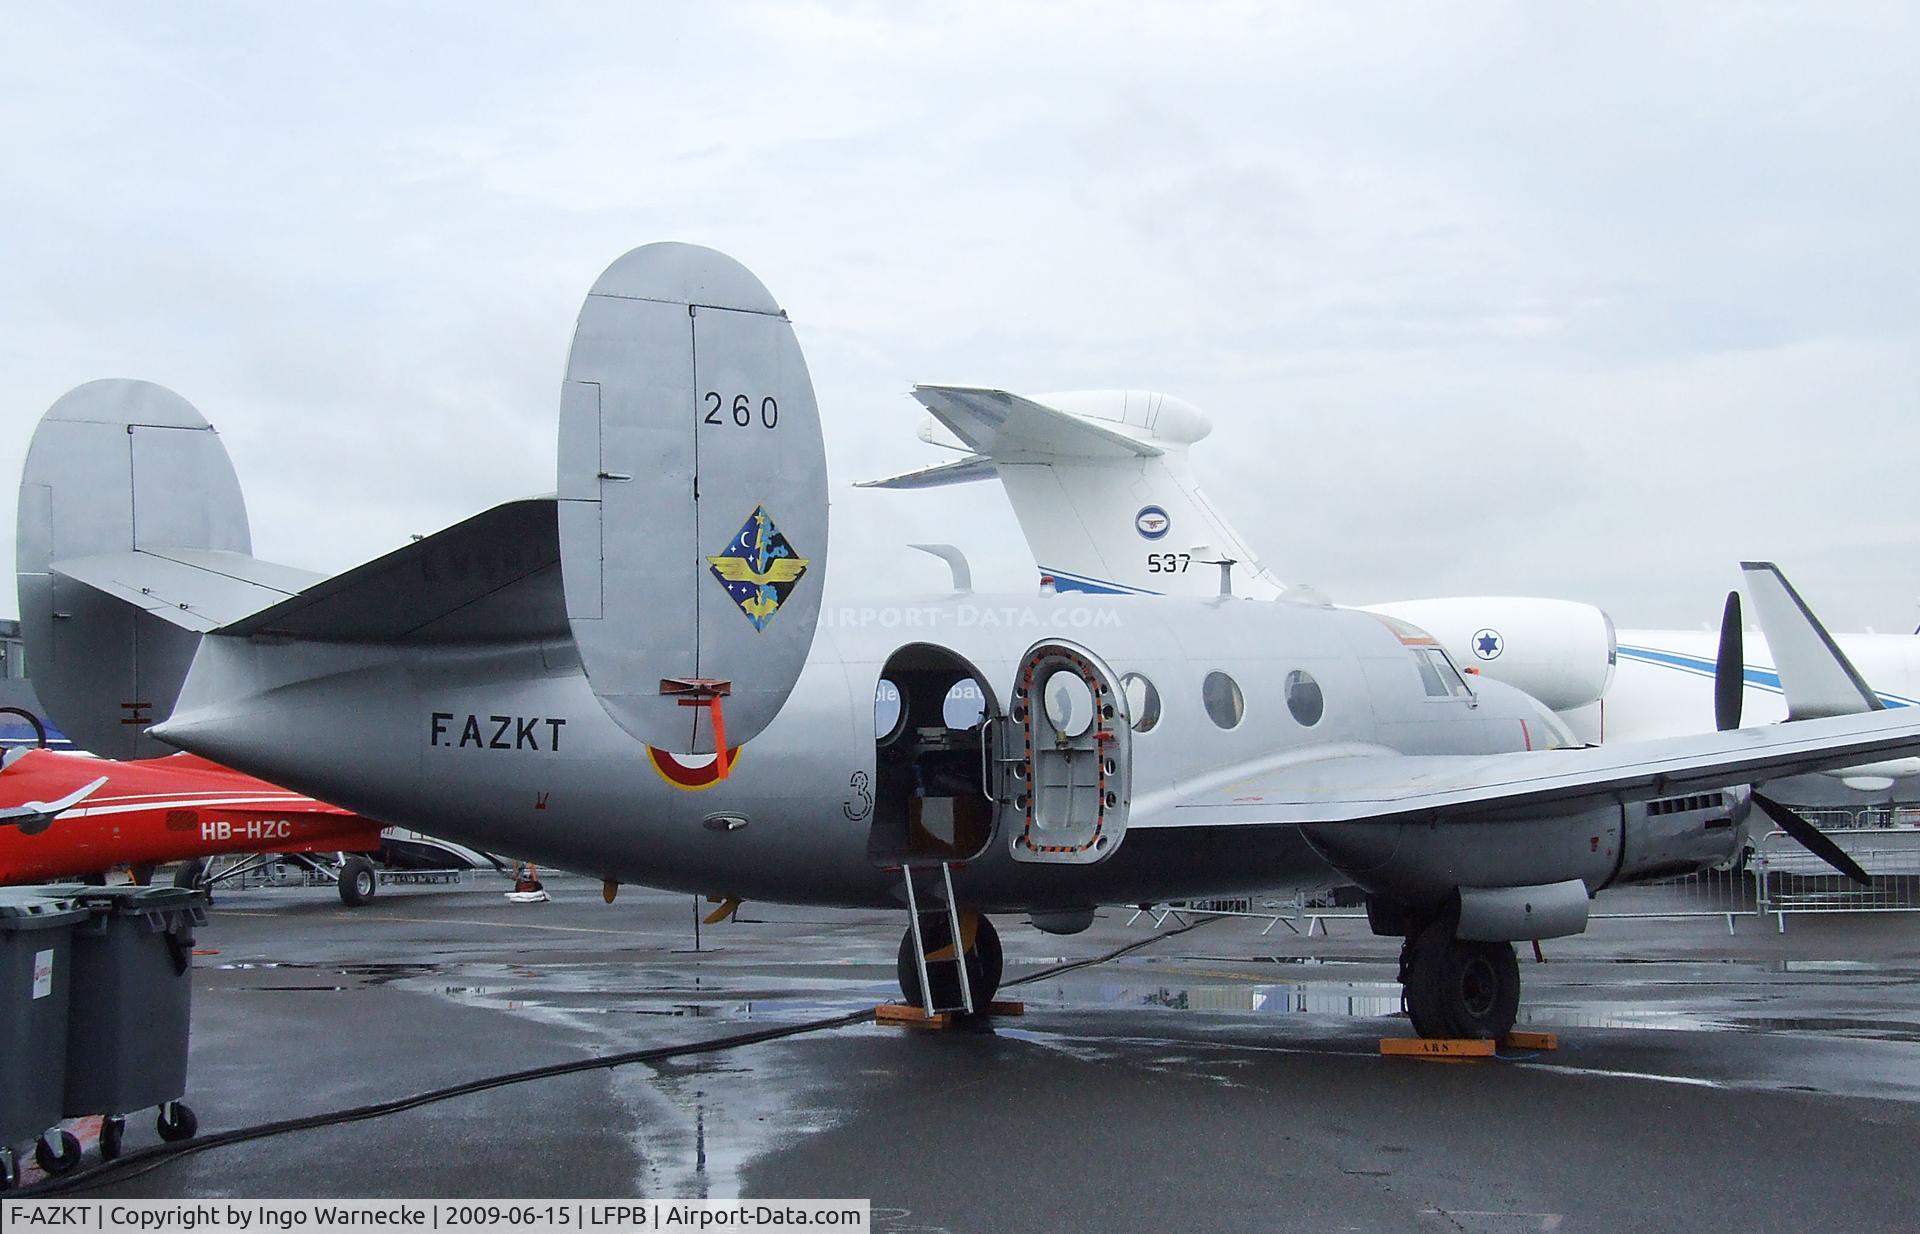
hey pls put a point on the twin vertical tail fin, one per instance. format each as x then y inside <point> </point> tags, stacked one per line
<point>692,498</point>
<point>126,487</point>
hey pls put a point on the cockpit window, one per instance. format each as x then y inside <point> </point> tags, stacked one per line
<point>1439,676</point>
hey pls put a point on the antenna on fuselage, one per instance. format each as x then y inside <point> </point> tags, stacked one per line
<point>1226,565</point>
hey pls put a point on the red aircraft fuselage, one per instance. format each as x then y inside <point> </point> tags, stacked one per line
<point>160,810</point>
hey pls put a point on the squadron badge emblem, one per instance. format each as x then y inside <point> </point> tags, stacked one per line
<point>758,568</point>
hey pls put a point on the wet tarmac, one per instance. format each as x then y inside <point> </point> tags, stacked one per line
<point>1212,1078</point>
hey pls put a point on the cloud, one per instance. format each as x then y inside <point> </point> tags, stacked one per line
<point>1511,299</point>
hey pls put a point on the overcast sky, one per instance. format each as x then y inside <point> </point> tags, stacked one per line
<point>1526,299</point>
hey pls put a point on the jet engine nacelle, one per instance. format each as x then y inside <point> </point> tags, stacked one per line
<point>1560,652</point>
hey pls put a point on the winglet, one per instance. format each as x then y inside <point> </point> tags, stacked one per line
<point>1815,675</point>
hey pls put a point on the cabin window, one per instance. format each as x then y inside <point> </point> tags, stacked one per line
<point>889,712</point>
<point>1220,694</point>
<point>1304,699</point>
<point>1069,702</point>
<point>1143,702</point>
<point>965,705</point>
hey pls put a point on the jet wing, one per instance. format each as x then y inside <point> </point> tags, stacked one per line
<point>197,589</point>
<point>1367,785</point>
<point>1009,428</point>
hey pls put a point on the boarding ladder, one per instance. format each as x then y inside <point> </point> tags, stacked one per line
<point>920,957</point>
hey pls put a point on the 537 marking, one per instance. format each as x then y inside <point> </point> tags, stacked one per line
<point>742,412</point>
<point>1168,563</point>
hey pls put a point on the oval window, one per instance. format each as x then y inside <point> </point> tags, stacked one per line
<point>1143,702</point>
<point>889,712</point>
<point>1221,696</point>
<point>1069,703</point>
<point>965,704</point>
<point>1304,699</point>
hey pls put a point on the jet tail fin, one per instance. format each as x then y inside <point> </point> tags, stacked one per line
<point>1815,675</point>
<point>1100,483</point>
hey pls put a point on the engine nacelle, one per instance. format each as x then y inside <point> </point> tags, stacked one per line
<point>1560,652</point>
<point>1423,868</point>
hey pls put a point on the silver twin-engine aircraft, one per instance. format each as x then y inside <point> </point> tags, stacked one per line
<point>642,677</point>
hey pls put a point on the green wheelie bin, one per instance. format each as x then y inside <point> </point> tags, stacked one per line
<point>128,1013</point>
<point>36,979</point>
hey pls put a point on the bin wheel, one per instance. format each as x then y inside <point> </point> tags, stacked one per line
<point>176,1122</point>
<point>113,1132</point>
<point>357,882</point>
<point>59,1162</point>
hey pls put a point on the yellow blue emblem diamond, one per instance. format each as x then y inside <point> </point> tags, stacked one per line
<point>758,568</point>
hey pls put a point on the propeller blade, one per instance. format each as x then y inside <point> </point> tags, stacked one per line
<point>1729,669</point>
<point>1812,839</point>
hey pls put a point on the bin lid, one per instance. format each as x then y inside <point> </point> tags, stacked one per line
<point>125,898</point>
<point>29,908</point>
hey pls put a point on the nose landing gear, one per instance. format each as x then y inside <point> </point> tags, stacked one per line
<point>983,958</point>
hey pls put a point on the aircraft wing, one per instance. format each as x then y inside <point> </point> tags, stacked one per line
<point>960,471</point>
<point>197,589</point>
<point>1010,428</point>
<point>1365,785</point>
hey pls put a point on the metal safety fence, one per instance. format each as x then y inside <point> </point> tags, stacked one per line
<point>1776,878</point>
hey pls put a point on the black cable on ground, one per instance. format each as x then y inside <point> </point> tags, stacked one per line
<point>137,1163</point>
<point>1116,953</point>
<point>144,1160</point>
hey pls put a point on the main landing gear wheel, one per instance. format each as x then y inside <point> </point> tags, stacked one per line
<point>983,963</point>
<point>57,1162</point>
<point>113,1133</point>
<point>192,876</point>
<point>357,882</point>
<point>176,1122</point>
<point>1457,988</point>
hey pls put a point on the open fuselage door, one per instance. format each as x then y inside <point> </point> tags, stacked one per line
<point>1069,756</point>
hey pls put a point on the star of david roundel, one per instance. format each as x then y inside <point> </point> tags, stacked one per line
<point>758,568</point>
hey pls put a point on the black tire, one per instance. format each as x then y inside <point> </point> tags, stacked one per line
<point>113,1133</point>
<point>1458,989</point>
<point>984,964</point>
<point>176,1122</point>
<point>141,875</point>
<point>357,882</point>
<point>57,1163</point>
<point>190,875</point>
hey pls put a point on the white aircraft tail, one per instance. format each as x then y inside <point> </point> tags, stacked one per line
<point>132,541</point>
<point>1100,483</point>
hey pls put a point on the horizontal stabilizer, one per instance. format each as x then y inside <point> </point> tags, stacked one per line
<point>963,471</point>
<point>1013,429</point>
<point>1815,675</point>
<point>195,589</point>
<point>494,577</point>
